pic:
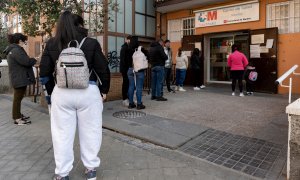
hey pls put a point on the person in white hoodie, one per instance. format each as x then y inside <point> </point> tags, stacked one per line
<point>181,67</point>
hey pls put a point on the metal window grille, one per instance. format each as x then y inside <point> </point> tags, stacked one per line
<point>188,26</point>
<point>180,27</point>
<point>285,16</point>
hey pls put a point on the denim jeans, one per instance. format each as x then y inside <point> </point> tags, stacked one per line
<point>157,80</point>
<point>135,82</point>
<point>180,76</point>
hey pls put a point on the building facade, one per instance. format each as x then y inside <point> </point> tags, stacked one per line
<point>129,17</point>
<point>267,30</point>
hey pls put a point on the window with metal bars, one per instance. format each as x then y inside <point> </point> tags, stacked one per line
<point>285,16</point>
<point>180,27</point>
<point>188,26</point>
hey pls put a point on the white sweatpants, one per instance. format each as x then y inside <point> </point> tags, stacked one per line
<point>69,108</point>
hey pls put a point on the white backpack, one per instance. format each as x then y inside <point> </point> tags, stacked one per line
<point>71,68</point>
<point>139,60</point>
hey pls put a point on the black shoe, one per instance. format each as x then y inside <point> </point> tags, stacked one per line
<point>90,174</point>
<point>153,97</point>
<point>140,106</point>
<point>21,122</point>
<point>24,117</point>
<point>161,99</point>
<point>131,105</point>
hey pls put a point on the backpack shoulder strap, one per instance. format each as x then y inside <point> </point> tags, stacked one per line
<point>81,43</point>
<point>140,48</point>
<point>73,41</point>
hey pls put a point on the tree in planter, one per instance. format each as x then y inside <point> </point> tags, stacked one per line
<point>40,16</point>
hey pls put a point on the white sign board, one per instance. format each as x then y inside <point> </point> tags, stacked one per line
<point>254,51</point>
<point>269,43</point>
<point>229,15</point>
<point>198,45</point>
<point>258,39</point>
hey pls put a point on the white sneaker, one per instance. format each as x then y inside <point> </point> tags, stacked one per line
<point>196,89</point>
<point>125,103</point>
<point>176,88</point>
<point>202,86</point>
<point>181,89</point>
<point>242,95</point>
<point>233,93</point>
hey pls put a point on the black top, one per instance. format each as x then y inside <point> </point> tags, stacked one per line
<point>94,56</point>
<point>123,58</point>
<point>20,66</point>
<point>195,62</point>
<point>157,55</point>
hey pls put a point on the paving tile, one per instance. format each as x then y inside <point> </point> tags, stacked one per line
<point>240,153</point>
<point>127,160</point>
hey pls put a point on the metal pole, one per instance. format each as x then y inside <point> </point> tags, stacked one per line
<point>290,91</point>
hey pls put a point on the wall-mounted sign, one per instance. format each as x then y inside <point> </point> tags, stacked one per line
<point>229,15</point>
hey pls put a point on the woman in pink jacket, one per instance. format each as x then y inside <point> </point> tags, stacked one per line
<point>237,62</point>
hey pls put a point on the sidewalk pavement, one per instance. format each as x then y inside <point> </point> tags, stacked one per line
<point>26,152</point>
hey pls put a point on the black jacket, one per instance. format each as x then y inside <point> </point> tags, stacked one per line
<point>123,58</point>
<point>157,55</point>
<point>19,66</point>
<point>195,62</point>
<point>94,56</point>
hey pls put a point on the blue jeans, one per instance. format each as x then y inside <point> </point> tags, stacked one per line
<point>180,76</point>
<point>138,84</point>
<point>157,80</point>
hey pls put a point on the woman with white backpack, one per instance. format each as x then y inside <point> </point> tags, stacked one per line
<point>136,75</point>
<point>75,107</point>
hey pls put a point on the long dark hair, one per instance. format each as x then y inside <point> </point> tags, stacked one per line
<point>235,47</point>
<point>66,29</point>
<point>196,52</point>
<point>134,43</point>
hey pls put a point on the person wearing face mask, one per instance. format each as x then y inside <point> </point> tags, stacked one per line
<point>20,73</point>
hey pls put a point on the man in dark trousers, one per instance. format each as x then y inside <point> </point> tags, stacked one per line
<point>157,61</point>
<point>123,69</point>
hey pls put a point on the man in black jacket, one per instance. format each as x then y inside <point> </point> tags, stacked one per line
<point>157,61</point>
<point>123,69</point>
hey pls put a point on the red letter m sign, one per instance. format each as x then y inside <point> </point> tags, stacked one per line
<point>212,15</point>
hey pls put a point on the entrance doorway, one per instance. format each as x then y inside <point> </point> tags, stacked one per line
<point>219,48</point>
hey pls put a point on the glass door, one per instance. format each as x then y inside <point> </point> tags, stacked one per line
<point>220,48</point>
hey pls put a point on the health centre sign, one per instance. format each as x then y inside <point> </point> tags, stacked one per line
<point>228,15</point>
